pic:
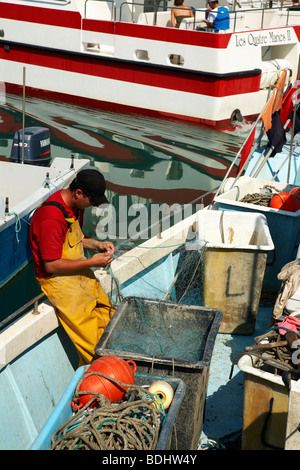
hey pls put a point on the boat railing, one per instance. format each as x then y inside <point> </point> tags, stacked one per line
<point>262,17</point>
<point>270,17</point>
<point>23,309</point>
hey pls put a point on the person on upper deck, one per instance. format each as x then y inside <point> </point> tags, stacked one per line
<point>180,12</point>
<point>218,17</point>
<point>63,272</point>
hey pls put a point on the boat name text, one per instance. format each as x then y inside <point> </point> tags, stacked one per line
<point>272,37</point>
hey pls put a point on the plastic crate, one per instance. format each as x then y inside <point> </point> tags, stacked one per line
<point>144,318</point>
<point>284,226</point>
<point>265,407</point>
<point>233,261</point>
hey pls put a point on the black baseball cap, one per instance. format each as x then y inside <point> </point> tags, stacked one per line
<point>92,184</point>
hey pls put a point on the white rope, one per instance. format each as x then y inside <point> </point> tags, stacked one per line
<point>17,224</point>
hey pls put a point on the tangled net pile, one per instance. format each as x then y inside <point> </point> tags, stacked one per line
<point>132,424</point>
<point>152,327</point>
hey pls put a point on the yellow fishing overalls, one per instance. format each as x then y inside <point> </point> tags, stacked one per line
<point>81,303</point>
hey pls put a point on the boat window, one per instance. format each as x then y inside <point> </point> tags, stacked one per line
<point>142,54</point>
<point>176,59</point>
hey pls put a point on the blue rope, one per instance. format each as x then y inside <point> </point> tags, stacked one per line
<point>157,247</point>
<point>283,328</point>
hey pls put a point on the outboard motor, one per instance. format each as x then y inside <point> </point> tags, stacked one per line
<point>36,146</point>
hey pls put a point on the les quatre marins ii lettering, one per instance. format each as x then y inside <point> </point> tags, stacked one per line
<point>265,39</point>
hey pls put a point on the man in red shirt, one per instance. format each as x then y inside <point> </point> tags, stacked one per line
<point>63,271</point>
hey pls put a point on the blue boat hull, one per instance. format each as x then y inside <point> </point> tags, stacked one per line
<point>31,387</point>
<point>15,249</point>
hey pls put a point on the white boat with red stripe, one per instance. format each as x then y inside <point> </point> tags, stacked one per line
<point>125,56</point>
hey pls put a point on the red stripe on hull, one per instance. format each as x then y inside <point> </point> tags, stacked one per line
<point>188,82</point>
<point>156,33</point>
<point>119,108</point>
<point>40,15</point>
<point>180,196</point>
<point>297,31</point>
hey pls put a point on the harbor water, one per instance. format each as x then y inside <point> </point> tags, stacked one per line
<point>145,161</point>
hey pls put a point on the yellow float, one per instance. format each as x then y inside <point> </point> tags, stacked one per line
<point>164,391</point>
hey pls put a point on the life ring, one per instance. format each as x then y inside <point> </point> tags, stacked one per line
<point>164,391</point>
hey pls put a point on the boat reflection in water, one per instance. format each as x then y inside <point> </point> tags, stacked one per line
<point>149,158</point>
<point>144,160</point>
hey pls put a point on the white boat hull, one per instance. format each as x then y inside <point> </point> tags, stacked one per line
<point>135,66</point>
<point>25,188</point>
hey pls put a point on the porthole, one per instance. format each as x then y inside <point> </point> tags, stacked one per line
<point>176,59</point>
<point>142,54</point>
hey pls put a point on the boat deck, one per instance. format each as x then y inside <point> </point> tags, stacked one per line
<point>224,401</point>
<point>30,178</point>
<point>240,20</point>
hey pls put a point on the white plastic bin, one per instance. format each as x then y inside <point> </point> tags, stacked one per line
<point>284,226</point>
<point>233,259</point>
<point>265,409</point>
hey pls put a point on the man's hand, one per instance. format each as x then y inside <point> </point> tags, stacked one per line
<point>208,24</point>
<point>97,245</point>
<point>99,260</point>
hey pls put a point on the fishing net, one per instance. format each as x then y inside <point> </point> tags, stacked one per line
<point>184,279</point>
<point>162,320</point>
<point>158,329</point>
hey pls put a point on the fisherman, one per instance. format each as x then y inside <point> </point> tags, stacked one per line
<point>62,270</point>
<point>218,17</point>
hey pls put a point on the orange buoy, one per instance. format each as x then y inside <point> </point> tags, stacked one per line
<point>285,202</point>
<point>112,367</point>
<point>296,191</point>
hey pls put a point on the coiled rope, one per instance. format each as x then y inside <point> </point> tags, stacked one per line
<point>129,425</point>
<point>261,199</point>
